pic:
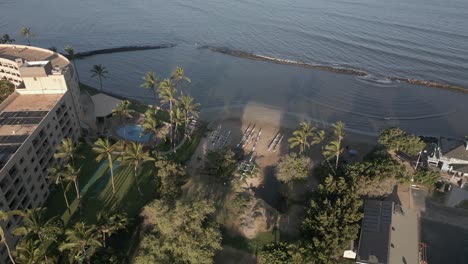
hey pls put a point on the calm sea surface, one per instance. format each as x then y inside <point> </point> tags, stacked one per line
<point>419,39</point>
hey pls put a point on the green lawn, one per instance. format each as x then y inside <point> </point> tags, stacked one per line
<point>56,203</point>
<point>96,189</point>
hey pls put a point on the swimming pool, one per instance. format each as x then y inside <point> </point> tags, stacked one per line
<point>134,133</point>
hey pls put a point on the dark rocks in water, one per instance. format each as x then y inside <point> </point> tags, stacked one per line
<point>119,49</point>
<point>357,72</point>
<point>251,56</point>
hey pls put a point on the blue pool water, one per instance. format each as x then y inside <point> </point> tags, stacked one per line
<point>134,133</point>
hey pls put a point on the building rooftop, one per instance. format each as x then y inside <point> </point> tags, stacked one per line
<point>375,232</point>
<point>455,149</point>
<point>104,104</point>
<point>460,167</point>
<point>11,52</point>
<point>20,117</point>
<point>389,234</point>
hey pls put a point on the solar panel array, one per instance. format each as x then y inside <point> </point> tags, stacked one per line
<point>377,215</point>
<point>22,117</point>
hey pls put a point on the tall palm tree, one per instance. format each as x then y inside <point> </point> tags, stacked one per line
<point>109,224</point>
<point>339,132</point>
<point>99,71</point>
<point>189,108</point>
<point>123,111</point>
<point>301,136</point>
<point>56,175</point>
<point>72,55</point>
<point>67,151</point>
<point>318,138</point>
<point>26,32</point>
<point>151,81</point>
<point>135,156</point>
<point>333,149</point>
<point>178,75</point>
<point>179,120</point>
<point>71,175</point>
<point>3,239</point>
<point>81,241</point>
<point>106,150</point>
<point>34,224</point>
<point>167,95</point>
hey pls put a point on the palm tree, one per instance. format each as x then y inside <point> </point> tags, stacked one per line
<point>333,149</point>
<point>179,120</point>
<point>178,75</point>
<point>135,156</point>
<point>72,55</point>
<point>82,241</point>
<point>301,137</point>
<point>34,224</point>
<point>3,239</point>
<point>26,32</point>
<point>123,111</point>
<point>318,138</point>
<point>189,108</point>
<point>99,71</point>
<point>167,95</point>
<point>67,151</point>
<point>56,175</point>
<point>71,175</point>
<point>151,123</point>
<point>109,224</point>
<point>105,150</point>
<point>338,131</point>
<point>151,81</point>
<point>6,39</point>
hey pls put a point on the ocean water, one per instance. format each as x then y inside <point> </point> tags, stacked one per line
<point>416,39</point>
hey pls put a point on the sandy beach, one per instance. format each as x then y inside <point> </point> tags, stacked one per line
<point>271,121</point>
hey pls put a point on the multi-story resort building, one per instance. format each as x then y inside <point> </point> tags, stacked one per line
<point>34,119</point>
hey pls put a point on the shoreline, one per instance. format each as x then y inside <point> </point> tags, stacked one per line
<point>337,69</point>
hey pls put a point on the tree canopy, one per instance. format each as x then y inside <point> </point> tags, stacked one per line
<point>293,167</point>
<point>220,165</point>
<point>332,219</point>
<point>375,173</point>
<point>396,139</point>
<point>6,88</point>
<point>426,177</point>
<point>171,176</point>
<point>183,233</point>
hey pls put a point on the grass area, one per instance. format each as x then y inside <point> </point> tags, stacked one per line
<point>185,152</point>
<point>97,195</point>
<point>88,165</point>
<point>252,246</point>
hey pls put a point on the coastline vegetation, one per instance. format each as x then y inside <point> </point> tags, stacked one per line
<point>118,201</point>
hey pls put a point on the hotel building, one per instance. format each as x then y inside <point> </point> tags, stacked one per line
<point>34,119</point>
